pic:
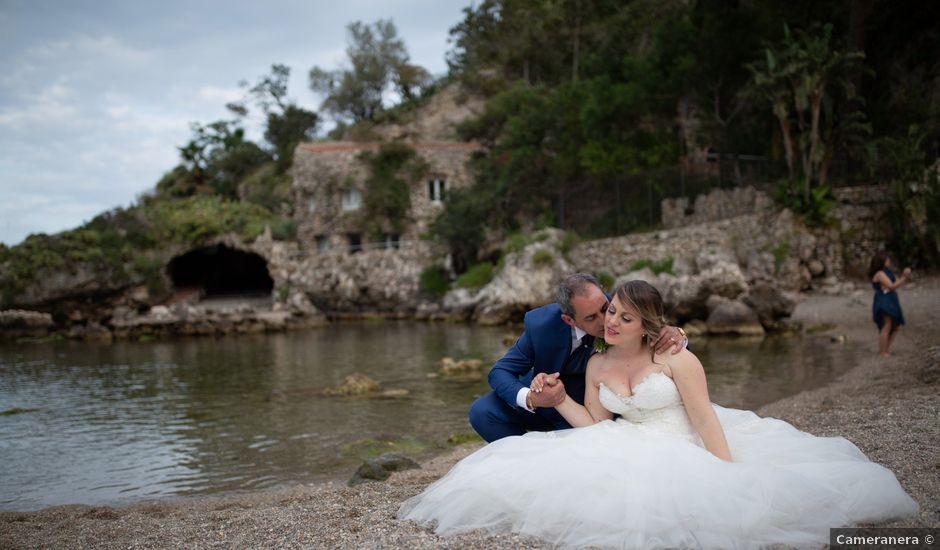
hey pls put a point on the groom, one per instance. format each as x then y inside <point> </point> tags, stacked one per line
<point>558,338</point>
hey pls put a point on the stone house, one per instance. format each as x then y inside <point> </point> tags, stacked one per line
<point>329,185</point>
<point>329,178</point>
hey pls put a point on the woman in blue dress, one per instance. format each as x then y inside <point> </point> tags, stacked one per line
<point>886,308</point>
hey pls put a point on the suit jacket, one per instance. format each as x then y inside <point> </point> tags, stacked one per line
<point>545,346</point>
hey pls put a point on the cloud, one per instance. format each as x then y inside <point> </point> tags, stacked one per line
<point>96,97</point>
<point>220,96</point>
<point>27,214</point>
<point>102,48</point>
<point>127,115</point>
<point>52,105</point>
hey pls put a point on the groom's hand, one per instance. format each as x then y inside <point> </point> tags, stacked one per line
<point>669,338</point>
<point>547,390</point>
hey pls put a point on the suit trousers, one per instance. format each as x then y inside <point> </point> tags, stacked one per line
<point>494,419</point>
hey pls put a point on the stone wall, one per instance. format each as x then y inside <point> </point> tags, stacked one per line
<point>370,281</point>
<point>767,246</point>
<point>857,215</point>
<point>720,204</point>
<point>738,275</point>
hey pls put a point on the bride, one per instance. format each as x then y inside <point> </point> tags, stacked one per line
<point>673,471</point>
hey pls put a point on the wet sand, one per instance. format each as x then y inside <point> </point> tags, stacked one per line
<point>889,407</point>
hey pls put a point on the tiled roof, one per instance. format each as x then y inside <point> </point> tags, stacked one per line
<point>339,146</point>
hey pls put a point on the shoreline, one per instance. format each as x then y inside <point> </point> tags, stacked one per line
<point>884,406</point>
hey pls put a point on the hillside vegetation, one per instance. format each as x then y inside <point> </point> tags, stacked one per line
<point>595,111</point>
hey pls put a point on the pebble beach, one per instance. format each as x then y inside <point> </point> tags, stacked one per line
<point>888,407</point>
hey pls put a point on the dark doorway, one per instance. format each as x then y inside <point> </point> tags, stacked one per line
<point>220,270</point>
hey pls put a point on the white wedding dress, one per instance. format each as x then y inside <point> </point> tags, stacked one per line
<point>645,481</point>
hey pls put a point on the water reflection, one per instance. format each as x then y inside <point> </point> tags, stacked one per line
<point>126,421</point>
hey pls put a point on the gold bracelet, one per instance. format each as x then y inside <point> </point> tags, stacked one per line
<point>528,400</point>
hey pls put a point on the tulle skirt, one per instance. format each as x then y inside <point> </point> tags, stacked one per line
<point>620,485</point>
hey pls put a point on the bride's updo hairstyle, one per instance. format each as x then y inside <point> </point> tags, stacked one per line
<point>643,298</point>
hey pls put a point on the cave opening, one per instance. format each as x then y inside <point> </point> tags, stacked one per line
<point>219,270</point>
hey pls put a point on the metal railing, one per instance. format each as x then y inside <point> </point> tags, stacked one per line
<point>376,245</point>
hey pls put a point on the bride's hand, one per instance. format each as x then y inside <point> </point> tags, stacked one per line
<point>542,379</point>
<point>547,390</point>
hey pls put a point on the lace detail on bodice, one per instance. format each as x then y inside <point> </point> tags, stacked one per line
<point>655,405</point>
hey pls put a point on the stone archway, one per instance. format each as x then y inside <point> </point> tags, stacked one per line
<point>219,270</point>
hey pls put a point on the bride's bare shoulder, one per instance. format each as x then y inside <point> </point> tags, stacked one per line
<point>597,361</point>
<point>598,364</point>
<point>681,361</point>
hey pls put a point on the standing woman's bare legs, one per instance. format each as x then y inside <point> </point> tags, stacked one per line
<point>885,337</point>
<point>891,336</point>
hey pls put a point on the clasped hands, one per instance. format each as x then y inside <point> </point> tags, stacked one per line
<point>546,390</point>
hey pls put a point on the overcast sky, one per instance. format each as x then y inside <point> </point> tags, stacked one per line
<point>95,95</point>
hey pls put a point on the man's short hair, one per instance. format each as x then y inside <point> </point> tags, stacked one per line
<point>571,286</point>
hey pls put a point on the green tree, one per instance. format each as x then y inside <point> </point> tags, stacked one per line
<point>214,161</point>
<point>802,76</point>
<point>387,196</point>
<point>379,63</point>
<point>287,124</point>
<point>913,192</point>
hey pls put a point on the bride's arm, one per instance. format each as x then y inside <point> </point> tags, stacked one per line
<point>689,376</point>
<point>592,411</point>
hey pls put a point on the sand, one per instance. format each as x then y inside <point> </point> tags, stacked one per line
<point>889,407</point>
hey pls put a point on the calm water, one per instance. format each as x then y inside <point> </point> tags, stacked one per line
<point>117,423</point>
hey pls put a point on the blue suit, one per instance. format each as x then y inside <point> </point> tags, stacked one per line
<point>545,346</point>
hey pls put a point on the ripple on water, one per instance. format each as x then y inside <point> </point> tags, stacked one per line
<point>135,420</point>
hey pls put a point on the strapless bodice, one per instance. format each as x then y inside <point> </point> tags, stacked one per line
<point>655,405</point>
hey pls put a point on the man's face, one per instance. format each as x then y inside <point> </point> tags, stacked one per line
<point>589,309</point>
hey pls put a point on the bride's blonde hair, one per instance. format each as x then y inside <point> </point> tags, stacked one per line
<point>646,301</point>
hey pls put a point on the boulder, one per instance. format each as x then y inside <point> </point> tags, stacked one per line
<point>461,367</point>
<point>695,327</point>
<point>25,319</point>
<point>90,332</point>
<point>273,320</point>
<point>427,310</point>
<point>733,317</point>
<point>161,313</point>
<point>686,297</point>
<point>526,280</point>
<point>816,268</point>
<point>355,384</point>
<point>709,257</point>
<point>770,303</point>
<point>661,281</point>
<point>460,302</point>
<point>724,279</point>
<point>379,469</point>
<point>369,471</point>
<point>298,301</point>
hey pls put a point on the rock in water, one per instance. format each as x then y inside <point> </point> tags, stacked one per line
<point>355,384</point>
<point>734,317</point>
<point>379,469</point>
<point>451,366</point>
